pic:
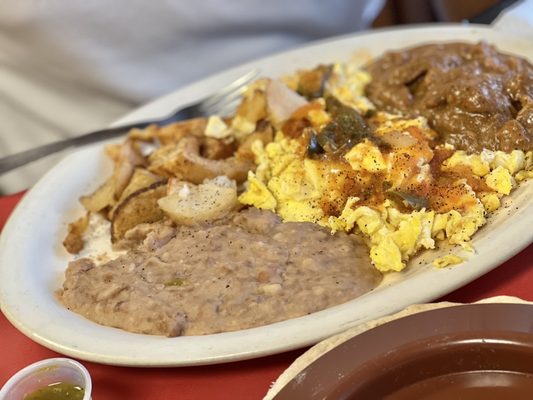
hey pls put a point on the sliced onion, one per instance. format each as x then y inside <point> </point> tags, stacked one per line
<point>282,102</point>
<point>398,139</point>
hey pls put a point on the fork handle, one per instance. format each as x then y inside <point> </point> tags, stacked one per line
<point>16,160</point>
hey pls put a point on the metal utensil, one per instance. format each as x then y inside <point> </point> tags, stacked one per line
<point>221,103</point>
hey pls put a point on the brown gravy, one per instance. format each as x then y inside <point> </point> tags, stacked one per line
<point>472,95</point>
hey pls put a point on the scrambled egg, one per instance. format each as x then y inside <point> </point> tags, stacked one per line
<point>396,187</point>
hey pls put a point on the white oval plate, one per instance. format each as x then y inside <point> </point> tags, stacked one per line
<point>33,261</point>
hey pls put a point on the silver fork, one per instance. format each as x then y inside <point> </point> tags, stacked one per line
<point>222,102</point>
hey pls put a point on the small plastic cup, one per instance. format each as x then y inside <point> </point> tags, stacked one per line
<point>43,373</point>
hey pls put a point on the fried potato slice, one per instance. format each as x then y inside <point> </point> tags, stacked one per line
<point>147,134</point>
<point>129,158</point>
<point>252,109</point>
<point>264,132</point>
<point>253,106</point>
<point>216,149</point>
<point>140,179</point>
<point>173,133</point>
<point>100,199</point>
<point>185,161</point>
<point>196,204</point>
<point>139,207</point>
<point>74,242</point>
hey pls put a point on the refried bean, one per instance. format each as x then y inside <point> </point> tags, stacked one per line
<point>472,95</point>
<point>250,271</point>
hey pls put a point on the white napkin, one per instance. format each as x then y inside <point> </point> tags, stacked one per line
<point>517,19</point>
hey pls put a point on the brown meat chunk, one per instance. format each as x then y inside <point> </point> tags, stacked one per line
<point>472,95</point>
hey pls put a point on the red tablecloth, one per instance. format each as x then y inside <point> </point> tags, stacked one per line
<point>238,380</point>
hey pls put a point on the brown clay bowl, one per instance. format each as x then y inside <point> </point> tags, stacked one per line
<point>481,351</point>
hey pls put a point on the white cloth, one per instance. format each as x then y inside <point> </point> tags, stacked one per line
<point>517,19</point>
<point>70,67</point>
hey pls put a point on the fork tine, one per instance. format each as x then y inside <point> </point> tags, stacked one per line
<point>225,109</point>
<point>217,106</point>
<point>229,92</point>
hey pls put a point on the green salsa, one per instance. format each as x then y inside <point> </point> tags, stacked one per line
<point>57,391</point>
<point>174,282</point>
